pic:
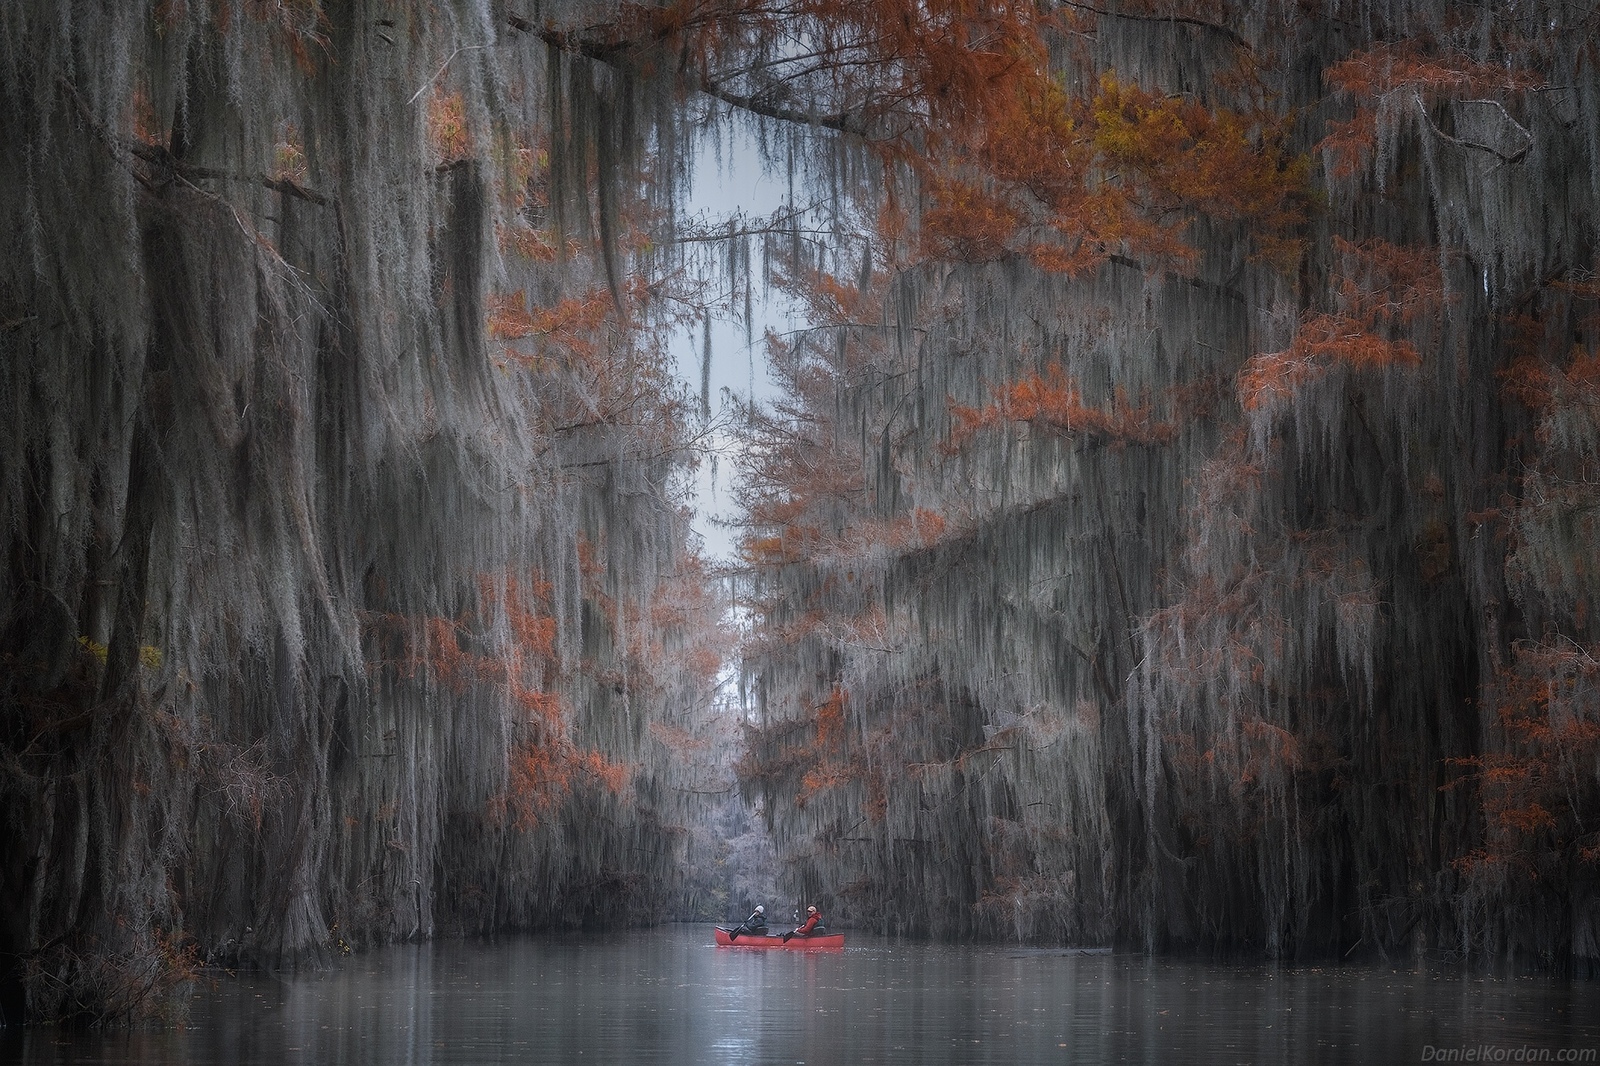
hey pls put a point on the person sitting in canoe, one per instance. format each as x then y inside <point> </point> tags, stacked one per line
<point>812,924</point>
<point>755,925</point>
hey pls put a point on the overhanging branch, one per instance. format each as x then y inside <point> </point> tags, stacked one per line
<point>617,56</point>
<point>1185,20</point>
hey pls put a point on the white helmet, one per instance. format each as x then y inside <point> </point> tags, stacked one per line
<point>760,909</point>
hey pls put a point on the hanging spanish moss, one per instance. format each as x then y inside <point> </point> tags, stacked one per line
<point>346,572</point>
<point>1176,529</point>
<point>1179,537</point>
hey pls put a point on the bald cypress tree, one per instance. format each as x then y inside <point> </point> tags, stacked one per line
<point>346,568</point>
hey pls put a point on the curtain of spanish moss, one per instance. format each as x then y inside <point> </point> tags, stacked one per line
<point>306,642</point>
<point>1302,672</point>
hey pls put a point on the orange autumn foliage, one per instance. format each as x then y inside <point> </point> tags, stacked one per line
<point>802,485</point>
<point>1071,181</point>
<point>533,633</point>
<point>1405,65</point>
<point>1380,289</point>
<point>1539,385</point>
<point>1323,342</point>
<point>593,371</point>
<point>572,325</point>
<point>778,548</point>
<point>543,764</point>
<point>917,528</point>
<point>541,775</point>
<point>965,96</point>
<point>1256,755</point>
<point>830,721</point>
<point>834,768</point>
<point>448,130</point>
<point>1055,403</point>
<point>968,222</point>
<point>538,246</point>
<point>1538,790</point>
<point>1228,165</point>
<point>1370,78</point>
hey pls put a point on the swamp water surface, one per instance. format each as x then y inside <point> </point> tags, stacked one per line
<point>667,995</point>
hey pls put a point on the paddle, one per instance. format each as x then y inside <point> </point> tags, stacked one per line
<point>733,934</point>
<point>811,920</point>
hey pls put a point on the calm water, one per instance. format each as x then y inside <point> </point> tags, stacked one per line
<point>668,996</point>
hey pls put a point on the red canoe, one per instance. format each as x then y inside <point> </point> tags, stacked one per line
<point>821,942</point>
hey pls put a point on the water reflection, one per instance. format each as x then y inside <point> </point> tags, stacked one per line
<point>669,996</point>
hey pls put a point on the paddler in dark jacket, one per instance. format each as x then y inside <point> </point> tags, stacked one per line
<point>755,925</point>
